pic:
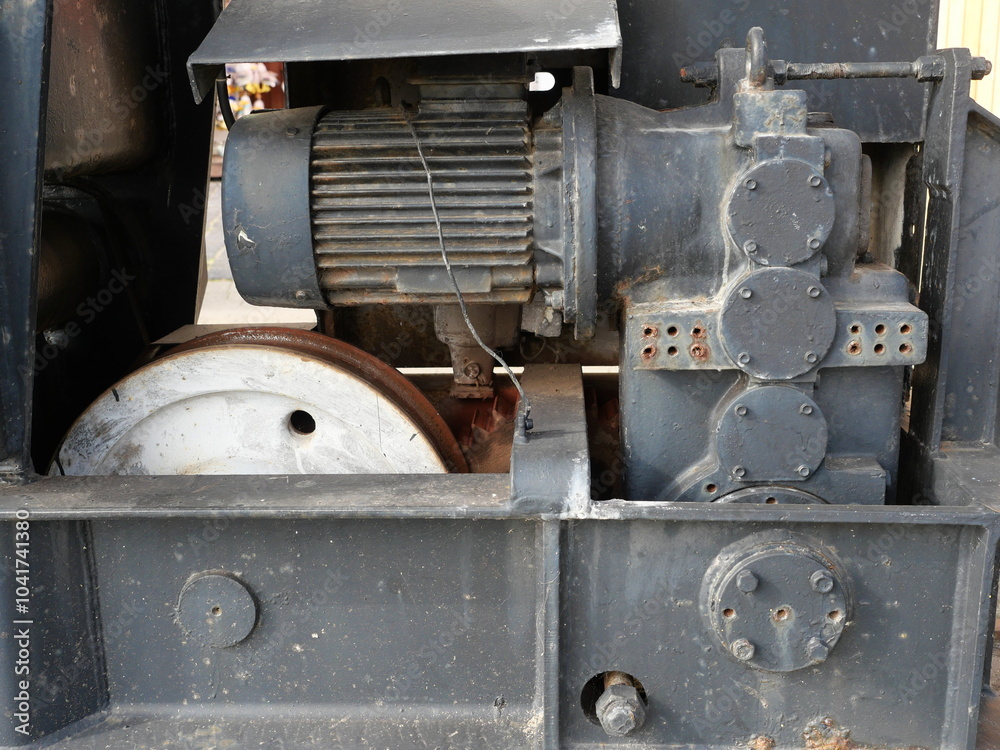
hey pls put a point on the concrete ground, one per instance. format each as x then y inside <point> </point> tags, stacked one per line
<point>222,303</point>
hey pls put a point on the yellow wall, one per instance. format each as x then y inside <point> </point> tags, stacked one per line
<point>975,24</point>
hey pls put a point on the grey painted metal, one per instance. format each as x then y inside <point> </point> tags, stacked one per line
<point>23,41</point>
<point>271,256</point>
<point>857,30</point>
<point>314,30</point>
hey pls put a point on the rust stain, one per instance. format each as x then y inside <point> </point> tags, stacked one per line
<point>824,734</point>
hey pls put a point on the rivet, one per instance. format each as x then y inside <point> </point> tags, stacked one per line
<point>743,650</point>
<point>291,131</point>
<point>739,472</point>
<point>803,471</point>
<point>815,242</point>
<point>741,410</point>
<point>812,358</point>
<point>743,358</point>
<point>815,180</point>
<point>745,293</point>
<point>751,184</point>
<point>805,409</point>
<point>813,291</point>
<point>750,246</point>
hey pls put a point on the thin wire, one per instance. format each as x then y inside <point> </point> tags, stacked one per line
<point>451,275</point>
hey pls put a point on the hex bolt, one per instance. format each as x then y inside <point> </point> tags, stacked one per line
<point>803,471</point>
<point>817,651</point>
<point>815,242</point>
<point>821,582</point>
<point>472,370</point>
<point>290,132</point>
<point>739,472</point>
<point>750,246</point>
<point>743,358</point>
<point>743,650</point>
<point>812,358</point>
<point>813,291</point>
<point>745,293</point>
<point>620,709</point>
<point>751,184</point>
<point>741,410</point>
<point>746,581</point>
<point>805,409</point>
<point>815,180</point>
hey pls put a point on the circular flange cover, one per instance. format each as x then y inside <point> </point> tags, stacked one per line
<point>777,323</point>
<point>771,495</point>
<point>771,433</point>
<point>777,602</point>
<point>781,212</point>
<point>217,610</point>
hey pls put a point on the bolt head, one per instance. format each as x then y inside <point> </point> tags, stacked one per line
<point>817,651</point>
<point>812,358</point>
<point>806,409</point>
<point>621,710</point>
<point>803,471</point>
<point>739,472</point>
<point>751,184</point>
<point>750,246</point>
<point>746,293</point>
<point>741,410</point>
<point>743,358</point>
<point>813,291</point>
<point>821,582</point>
<point>472,370</point>
<point>815,180</point>
<point>743,650</point>
<point>815,243</point>
<point>746,581</point>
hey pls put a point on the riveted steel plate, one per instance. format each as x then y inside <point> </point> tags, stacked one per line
<point>777,323</point>
<point>771,433</point>
<point>778,602</point>
<point>217,610</point>
<point>781,212</point>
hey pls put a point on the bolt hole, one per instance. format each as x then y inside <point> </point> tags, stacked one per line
<point>672,351</point>
<point>880,329</point>
<point>905,348</point>
<point>216,610</point>
<point>672,331</point>
<point>697,351</point>
<point>696,331</point>
<point>711,489</point>
<point>649,331</point>
<point>771,501</point>
<point>835,616</point>
<point>781,615</point>
<point>729,613</point>
<point>595,686</point>
<point>855,328</point>
<point>301,422</point>
<point>905,328</point>
<point>880,348</point>
<point>854,347</point>
<point>648,352</point>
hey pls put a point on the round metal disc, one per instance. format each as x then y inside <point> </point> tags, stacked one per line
<point>778,323</point>
<point>781,212</point>
<point>771,433</point>
<point>244,406</point>
<point>777,605</point>
<point>217,610</point>
<point>771,495</point>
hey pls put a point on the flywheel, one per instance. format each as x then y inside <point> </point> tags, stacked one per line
<point>261,401</point>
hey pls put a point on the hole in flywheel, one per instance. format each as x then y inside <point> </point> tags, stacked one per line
<point>301,422</point>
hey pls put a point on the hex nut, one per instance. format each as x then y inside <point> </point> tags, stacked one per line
<point>621,710</point>
<point>821,582</point>
<point>746,581</point>
<point>743,650</point>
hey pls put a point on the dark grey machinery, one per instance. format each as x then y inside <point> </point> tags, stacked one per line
<point>798,286</point>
